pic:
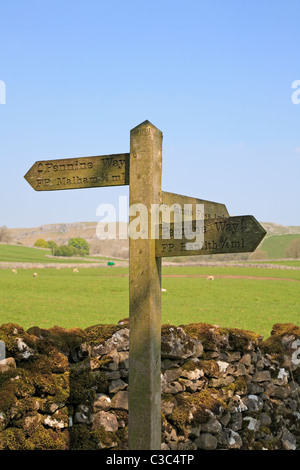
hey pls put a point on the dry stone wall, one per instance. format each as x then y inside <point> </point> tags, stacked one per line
<point>221,388</point>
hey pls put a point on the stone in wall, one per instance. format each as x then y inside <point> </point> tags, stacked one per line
<point>221,388</point>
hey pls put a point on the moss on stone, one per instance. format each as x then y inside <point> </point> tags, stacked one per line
<point>13,439</point>
<point>50,384</point>
<point>122,415</point>
<point>104,439</point>
<point>98,334</point>
<point>14,384</point>
<point>202,332</point>
<point>212,337</point>
<point>282,329</point>
<point>66,341</point>
<point>101,382</point>
<point>209,367</point>
<point>272,443</point>
<point>241,340</point>
<point>59,362</point>
<point>194,408</point>
<point>9,334</point>
<point>53,362</point>
<point>7,397</point>
<point>168,397</point>
<point>167,329</point>
<point>240,386</point>
<point>29,422</point>
<point>80,438</point>
<point>190,366</point>
<point>23,406</point>
<point>83,385</point>
<point>122,436</point>
<point>206,402</point>
<point>273,345</point>
<point>47,439</point>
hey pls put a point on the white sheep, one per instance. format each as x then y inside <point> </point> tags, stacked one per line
<point>164,290</point>
<point>75,270</point>
<point>14,271</point>
<point>210,278</point>
<point>34,274</point>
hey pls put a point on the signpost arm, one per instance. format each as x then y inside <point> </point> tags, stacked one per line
<point>144,294</point>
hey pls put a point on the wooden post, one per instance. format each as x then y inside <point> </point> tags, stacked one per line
<point>145,295</point>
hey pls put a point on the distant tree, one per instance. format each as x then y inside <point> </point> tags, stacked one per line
<point>64,250</point>
<point>52,245</point>
<point>293,249</point>
<point>41,243</point>
<point>4,235</point>
<point>80,245</point>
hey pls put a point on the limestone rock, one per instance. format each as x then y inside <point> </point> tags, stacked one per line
<point>102,402</point>
<point>262,376</point>
<point>288,440</point>
<point>175,343</point>
<point>116,386</point>
<point>206,441</point>
<point>230,439</point>
<point>120,401</point>
<point>6,364</point>
<point>105,419</point>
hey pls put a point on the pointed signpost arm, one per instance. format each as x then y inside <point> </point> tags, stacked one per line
<point>239,234</point>
<point>83,172</point>
<point>144,294</point>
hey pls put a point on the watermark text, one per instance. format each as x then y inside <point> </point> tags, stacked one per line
<point>160,221</point>
<point>296,93</point>
<point>2,92</point>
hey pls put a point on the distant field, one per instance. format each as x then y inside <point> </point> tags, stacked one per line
<point>100,295</point>
<point>276,245</point>
<point>295,263</point>
<point>25,254</point>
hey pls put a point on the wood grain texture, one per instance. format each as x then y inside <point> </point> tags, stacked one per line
<point>75,173</point>
<point>144,295</point>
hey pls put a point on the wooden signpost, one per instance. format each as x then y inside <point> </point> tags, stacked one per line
<point>75,173</point>
<point>142,170</point>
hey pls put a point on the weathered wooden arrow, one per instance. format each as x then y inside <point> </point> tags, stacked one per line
<point>230,235</point>
<point>83,172</point>
<point>188,207</point>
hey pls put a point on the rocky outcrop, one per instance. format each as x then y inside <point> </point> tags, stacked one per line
<point>221,388</point>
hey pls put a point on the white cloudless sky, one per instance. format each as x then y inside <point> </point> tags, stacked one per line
<point>215,77</point>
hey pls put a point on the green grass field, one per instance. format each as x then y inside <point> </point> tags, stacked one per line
<point>276,245</point>
<point>100,295</point>
<point>25,254</point>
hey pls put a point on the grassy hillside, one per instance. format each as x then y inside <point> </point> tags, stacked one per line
<point>25,254</point>
<point>276,245</point>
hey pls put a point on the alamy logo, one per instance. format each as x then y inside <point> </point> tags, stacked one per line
<point>296,93</point>
<point>2,92</point>
<point>144,223</point>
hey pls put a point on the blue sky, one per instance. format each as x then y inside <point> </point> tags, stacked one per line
<point>215,77</point>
